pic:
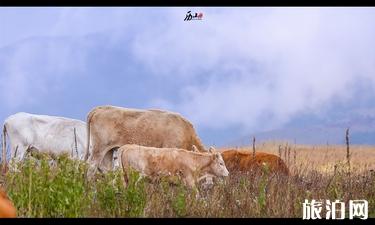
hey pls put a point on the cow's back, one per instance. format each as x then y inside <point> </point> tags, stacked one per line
<point>46,133</point>
<point>232,160</point>
<point>154,128</point>
<point>151,160</point>
<point>243,161</point>
<point>274,162</point>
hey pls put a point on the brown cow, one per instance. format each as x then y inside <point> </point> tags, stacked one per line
<point>7,209</point>
<point>156,162</point>
<point>110,127</point>
<point>243,161</point>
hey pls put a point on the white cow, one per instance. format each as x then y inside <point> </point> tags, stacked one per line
<point>47,134</point>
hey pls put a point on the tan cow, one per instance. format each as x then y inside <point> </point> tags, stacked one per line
<point>243,161</point>
<point>156,162</point>
<point>7,209</point>
<point>110,127</point>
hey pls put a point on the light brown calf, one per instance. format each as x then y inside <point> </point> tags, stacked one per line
<point>156,162</point>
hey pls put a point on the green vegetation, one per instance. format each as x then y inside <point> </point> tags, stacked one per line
<point>39,189</point>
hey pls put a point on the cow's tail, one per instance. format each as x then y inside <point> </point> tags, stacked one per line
<point>4,144</point>
<point>88,121</point>
<point>119,155</point>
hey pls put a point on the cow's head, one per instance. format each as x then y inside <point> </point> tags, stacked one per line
<point>217,165</point>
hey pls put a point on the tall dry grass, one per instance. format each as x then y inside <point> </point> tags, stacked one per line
<point>40,189</point>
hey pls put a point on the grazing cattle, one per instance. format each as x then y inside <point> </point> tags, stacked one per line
<point>243,161</point>
<point>47,134</point>
<point>110,127</point>
<point>156,162</point>
<point>7,209</point>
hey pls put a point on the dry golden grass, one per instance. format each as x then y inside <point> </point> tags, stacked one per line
<point>321,158</point>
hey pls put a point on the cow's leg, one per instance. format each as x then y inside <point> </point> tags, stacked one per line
<point>12,159</point>
<point>208,183</point>
<point>17,155</point>
<point>101,160</point>
<point>126,174</point>
<point>107,163</point>
<point>190,181</point>
<point>94,160</point>
<point>126,179</point>
<point>116,160</point>
<point>141,175</point>
<point>93,166</point>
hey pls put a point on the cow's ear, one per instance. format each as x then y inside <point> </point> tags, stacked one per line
<point>195,149</point>
<point>211,149</point>
<point>217,155</point>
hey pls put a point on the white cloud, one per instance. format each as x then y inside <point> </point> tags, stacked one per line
<point>33,69</point>
<point>252,67</point>
<point>285,61</point>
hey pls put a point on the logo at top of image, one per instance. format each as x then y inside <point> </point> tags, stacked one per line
<point>196,16</point>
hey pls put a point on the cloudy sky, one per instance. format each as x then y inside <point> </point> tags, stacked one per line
<point>235,72</point>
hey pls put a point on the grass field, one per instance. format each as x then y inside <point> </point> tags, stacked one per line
<point>317,172</point>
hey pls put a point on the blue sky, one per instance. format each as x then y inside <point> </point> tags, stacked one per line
<point>237,71</point>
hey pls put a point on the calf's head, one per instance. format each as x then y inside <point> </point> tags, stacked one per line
<point>217,165</point>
